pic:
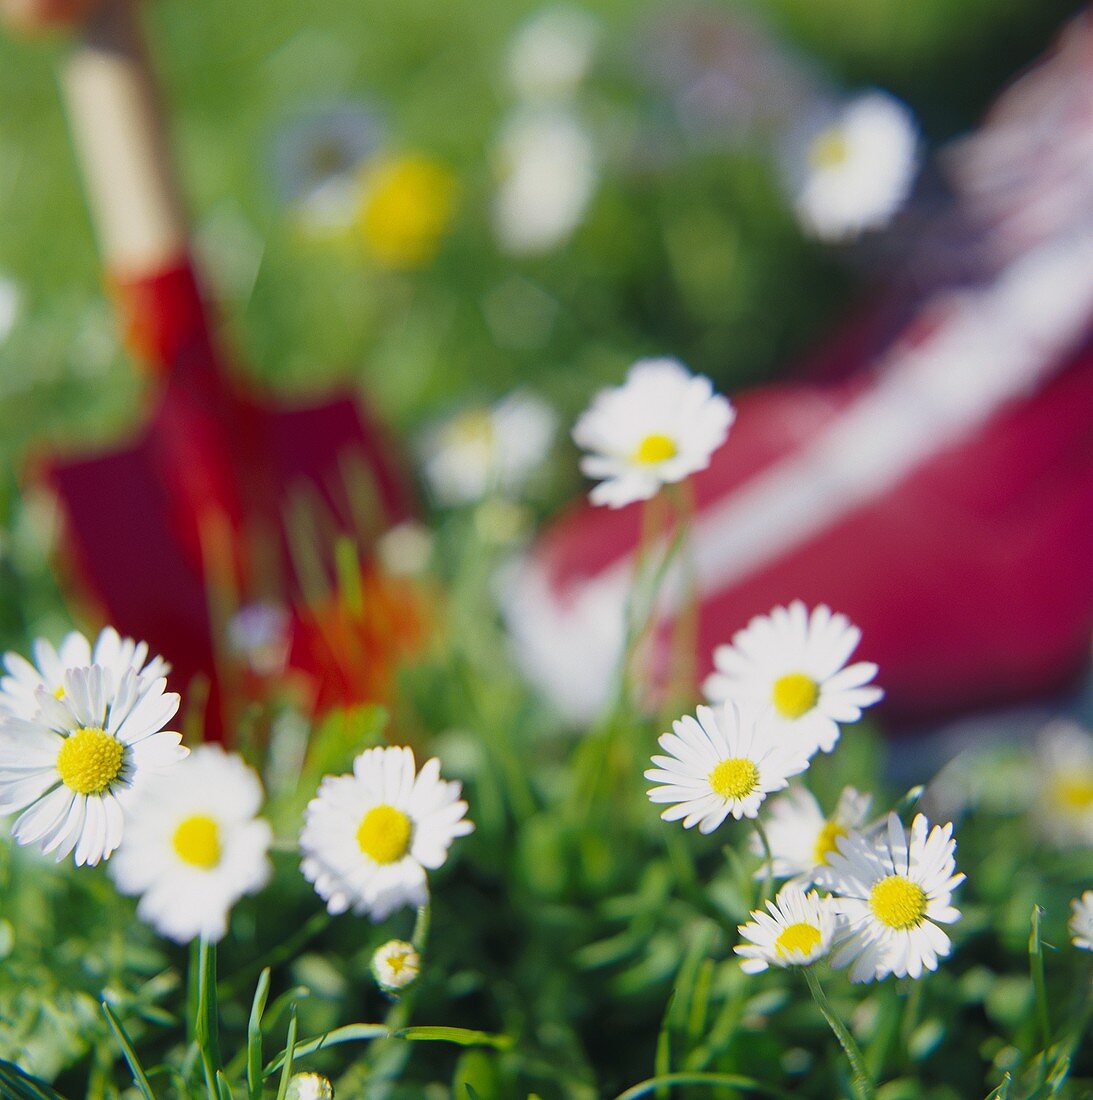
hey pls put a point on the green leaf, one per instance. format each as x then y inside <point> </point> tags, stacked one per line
<point>727,1080</point>
<point>351,1033</point>
<point>458,1035</point>
<point>222,1086</point>
<point>140,1079</point>
<point>288,1056</point>
<point>21,1086</point>
<point>254,1037</point>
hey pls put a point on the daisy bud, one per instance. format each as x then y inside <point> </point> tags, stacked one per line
<point>309,1086</point>
<point>396,965</point>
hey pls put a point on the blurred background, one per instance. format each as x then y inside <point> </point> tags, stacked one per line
<point>668,225</point>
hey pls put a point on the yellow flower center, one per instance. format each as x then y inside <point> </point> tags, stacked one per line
<point>655,448</point>
<point>90,760</point>
<point>800,937</point>
<point>1073,793</point>
<point>736,777</point>
<point>829,149</point>
<point>384,834</point>
<point>407,206</point>
<point>197,841</point>
<point>827,842</point>
<point>898,902</point>
<point>59,693</point>
<point>398,959</point>
<point>794,694</point>
<point>474,428</point>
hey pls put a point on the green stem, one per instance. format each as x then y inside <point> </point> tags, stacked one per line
<point>1036,968</point>
<point>864,1088</point>
<point>768,877</point>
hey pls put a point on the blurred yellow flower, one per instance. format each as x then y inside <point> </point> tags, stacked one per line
<point>406,206</point>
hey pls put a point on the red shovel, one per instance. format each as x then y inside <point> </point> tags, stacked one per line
<point>199,501</point>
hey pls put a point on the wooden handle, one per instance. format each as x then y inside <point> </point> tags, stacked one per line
<point>121,144</point>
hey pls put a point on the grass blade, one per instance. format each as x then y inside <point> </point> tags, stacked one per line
<point>140,1079</point>
<point>289,1056</point>
<point>254,1037</point>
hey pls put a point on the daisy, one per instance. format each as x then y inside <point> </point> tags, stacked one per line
<point>893,890</point>
<point>660,426</point>
<point>797,661</point>
<point>720,763</point>
<point>484,450</point>
<point>369,838</point>
<point>1081,923</point>
<point>546,168</point>
<point>1064,792</point>
<point>194,845</point>
<point>851,170</point>
<point>801,837</point>
<point>71,768</point>
<point>796,932</point>
<point>395,965</point>
<point>19,689</point>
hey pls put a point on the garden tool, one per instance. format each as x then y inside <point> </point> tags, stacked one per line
<point>197,513</point>
<point>931,475</point>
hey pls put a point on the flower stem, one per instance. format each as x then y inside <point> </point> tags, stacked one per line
<point>768,878</point>
<point>864,1088</point>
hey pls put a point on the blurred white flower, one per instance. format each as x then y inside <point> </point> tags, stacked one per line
<point>405,549</point>
<point>1081,921</point>
<point>546,168</point>
<point>551,53</point>
<point>801,838</point>
<point>309,1086</point>
<point>195,845</point>
<point>369,838</point>
<point>1064,765</point>
<point>261,634</point>
<point>395,965</point>
<point>851,170</point>
<point>893,890</point>
<point>71,768</point>
<point>19,689</point>
<point>720,763</point>
<point>796,932</point>
<point>797,661</point>
<point>11,304</point>
<point>484,450</point>
<point>659,427</point>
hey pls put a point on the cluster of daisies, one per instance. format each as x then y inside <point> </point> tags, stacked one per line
<point>870,895</point>
<point>87,763</point>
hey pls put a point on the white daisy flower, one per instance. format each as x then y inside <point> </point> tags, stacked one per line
<point>852,169</point>
<point>71,768</point>
<point>893,891</point>
<point>551,53</point>
<point>19,689</point>
<point>546,168</point>
<point>801,837</point>
<point>796,932</point>
<point>194,845</point>
<point>369,838</point>
<point>660,426</point>
<point>719,764</point>
<point>1063,805</point>
<point>797,661</point>
<point>395,965</point>
<point>1081,921</point>
<point>484,450</point>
